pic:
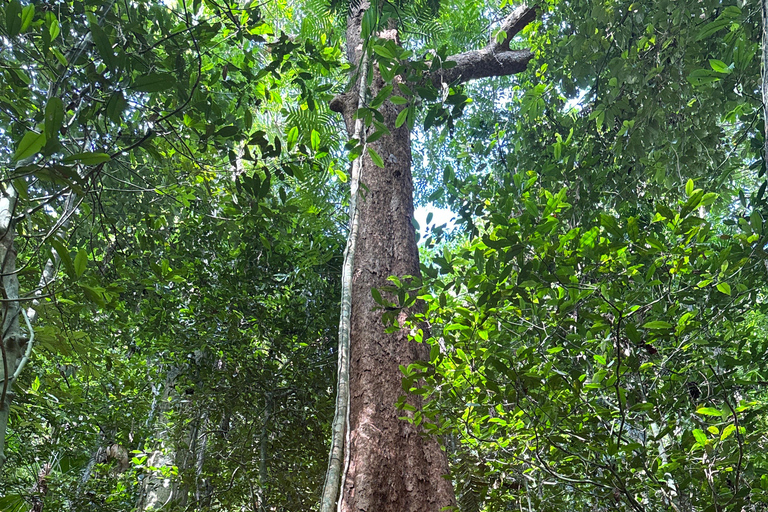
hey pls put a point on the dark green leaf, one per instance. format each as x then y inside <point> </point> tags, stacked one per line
<point>153,82</point>
<point>54,117</point>
<point>88,158</point>
<point>13,18</point>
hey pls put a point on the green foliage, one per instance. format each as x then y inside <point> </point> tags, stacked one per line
<point>606,357</point>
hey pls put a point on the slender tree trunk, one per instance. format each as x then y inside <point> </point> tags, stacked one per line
<point>14,343</point>
<point>392,467</point>
<point>764,9</point>
<point>158,492</point>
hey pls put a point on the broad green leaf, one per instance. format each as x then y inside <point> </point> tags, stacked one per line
<point>103,45</point>
<point>54,117</point>
<point>53,30</point>
<point>383,51</point>
<point>657,324</point>
<point>709,411</point>
<point>314,140</point>
<point>724,288</point>
<point>27,14</point>
<point>81,260</point>
<point>398,100</point>
<point>292,136</point>
<point>64,257</point>
<point>227,131</point>
<point>719,66</point>
<point>13,18</point>
<point>689,188</point>
<point>401,118</point>
<point>700,436</point>
<point>153,82</point>
<point>382,96</point>
<point>710,28</point>
<point>116,106</point>
<point>375,158</point>
<point>29,145</point>
<point>727,431</point>
<point>88,158</point>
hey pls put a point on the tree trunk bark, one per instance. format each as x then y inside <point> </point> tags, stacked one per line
<point>392,467</point>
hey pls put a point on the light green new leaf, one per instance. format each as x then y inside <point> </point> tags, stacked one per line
<point>314,140</point>
<point>724,288</point>
<point>709,411</point>
<point>27,14</point>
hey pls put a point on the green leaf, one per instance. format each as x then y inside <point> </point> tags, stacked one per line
<point>30,144</point>
<point>377,297</point>
<point>383,51</point>
<point>116,106</point>
<point>700,436</point>
<point>724,288</point>
<point>227,131</point>
<point>401,118</point>
<point>27,15</point>
<point>64,257</point>
<point>727,431</point>
<point>53,30</point>
<point>54,117</point>
<point>153,82</point>
<point>709,411</point>
<point>13,18</point>
<point>710,28</point>
<point>292,136</point>
<point>314,140</point>
<point>689,188</point>
<point>719,66</point>
<point>103,45</point>
<point>398,100</point>
<point>375,158</point>
<point>657,324</point>
<point>81,261</point>
<point>88,158</point>
<point>382,96</point>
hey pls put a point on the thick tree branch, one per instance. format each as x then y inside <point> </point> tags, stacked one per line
<point>496,59</point>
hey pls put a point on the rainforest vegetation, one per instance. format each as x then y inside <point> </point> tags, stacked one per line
<point>216,295</point>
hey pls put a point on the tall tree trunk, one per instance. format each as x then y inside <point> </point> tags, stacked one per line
<point>392,466</point>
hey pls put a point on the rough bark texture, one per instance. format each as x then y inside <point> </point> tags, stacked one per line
<point>392,466</point>
<point>13,341</point>
<point>496,59</point>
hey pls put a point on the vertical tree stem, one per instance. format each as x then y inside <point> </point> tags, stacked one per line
<point>333,477</point>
